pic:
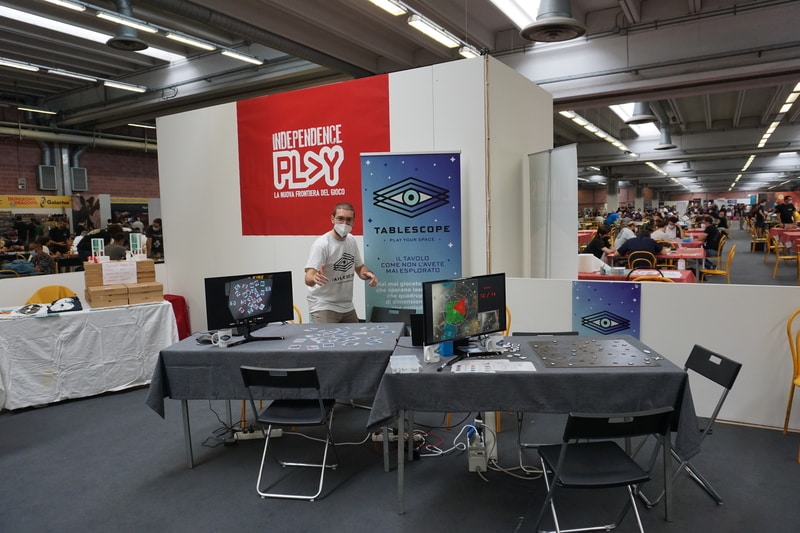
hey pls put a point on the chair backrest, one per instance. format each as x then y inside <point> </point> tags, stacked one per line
<point>280,378</point>
<point>794,340</point>
<point>618,425</point>
<point>718,368</point>
<point>298,314</point>
<point>654,278</point>
<point>49,294</point>
<point>10,273</point>
<point>731,253</point>
<point>641,259</point>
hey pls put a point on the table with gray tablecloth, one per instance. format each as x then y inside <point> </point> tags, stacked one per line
<point>588,389</point>
<point>350,360</point>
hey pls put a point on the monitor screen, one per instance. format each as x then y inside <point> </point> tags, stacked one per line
<point>457,309</point>
<point>249,300</point>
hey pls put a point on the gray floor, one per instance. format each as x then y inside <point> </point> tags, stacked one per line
<point>111,464</point>
<point>749,268</point>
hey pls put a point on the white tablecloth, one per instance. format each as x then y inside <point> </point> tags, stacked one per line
<point>82,353</point>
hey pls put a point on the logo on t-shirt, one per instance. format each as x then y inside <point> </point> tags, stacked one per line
<point>345,263</point>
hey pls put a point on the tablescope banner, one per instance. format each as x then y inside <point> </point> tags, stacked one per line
<point>299,154</point>
<point>412,224</point>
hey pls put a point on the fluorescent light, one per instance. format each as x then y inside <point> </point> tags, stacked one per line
<point>433,31</point>
<point>68,74</point>
<point>37,110</point>
<point>390,7</point>
<point>145,126</point>
<point>468,52</point>
<point>19,65</point>
<point>142,26</point>
<point>69,5</point>
<point>125,86</point>
<point>242,57</point>
<point>521,13</point>
<point>190,41</point>
<point>81,33</point>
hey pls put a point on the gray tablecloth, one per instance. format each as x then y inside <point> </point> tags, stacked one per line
<point>547,390</point>
<point>350,360</point>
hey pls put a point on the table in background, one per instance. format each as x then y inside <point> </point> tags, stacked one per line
<point>350,360</point>
<point>585,236</point>
<point>81,353</point>
<point>65,263</point>
<point>614,389</point>
<point>678,276</point>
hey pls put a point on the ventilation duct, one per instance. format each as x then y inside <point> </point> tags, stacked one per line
<point>554,23</point>
<point>642,114</point>
<point>126,38</point>
<point>666,139</point>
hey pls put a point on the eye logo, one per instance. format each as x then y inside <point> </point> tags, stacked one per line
<point>345,263</point>
<point>411,197</point>
<point>605,322</point>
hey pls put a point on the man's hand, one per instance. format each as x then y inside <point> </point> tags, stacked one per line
<point>319,276</point>
<point>373,279</point>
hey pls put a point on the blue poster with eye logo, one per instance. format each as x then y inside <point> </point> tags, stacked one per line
<point>412,224</point>
<point>606,307</point>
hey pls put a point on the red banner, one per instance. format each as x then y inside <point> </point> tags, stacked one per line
<point>299,154</point>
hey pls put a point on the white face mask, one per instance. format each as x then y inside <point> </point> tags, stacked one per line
<point>342,230</point>
<point>702,226</point>
<point>670,226</point>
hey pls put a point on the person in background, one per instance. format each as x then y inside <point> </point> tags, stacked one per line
<point>673,228</point>
<point>22,229</point>
<point>785,211</point>
<point>41,259</point>
<point>760,218</point>
<point>35,229</point>
<point>155,240</point>
<point>642,242</point>
<point>116,250</point>
<point>601,243</point>
<point>13,243</point>
<point>660,233</point>
<point>722,222</point>
<point>332,263</point>
<point>710,238</point>
<point>625,233</point>
<point>59,237</point>
<point>137,224</point>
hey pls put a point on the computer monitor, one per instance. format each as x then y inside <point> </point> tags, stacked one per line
<point>459,309</point>
<point>248,301</point>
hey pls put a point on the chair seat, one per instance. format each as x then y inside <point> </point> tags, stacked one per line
<point>594,464</point>
<point>295,412</point>
<point>714,272</point>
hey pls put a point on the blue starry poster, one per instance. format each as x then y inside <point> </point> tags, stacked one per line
<point>606,308</point>
<point>412,224</point>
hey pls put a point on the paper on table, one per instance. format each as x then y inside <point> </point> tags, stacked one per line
<point>490,366</point>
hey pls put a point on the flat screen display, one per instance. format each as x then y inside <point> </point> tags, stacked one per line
<point>249,300</point>
<point>457,309</point>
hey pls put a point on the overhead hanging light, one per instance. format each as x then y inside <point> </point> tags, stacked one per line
<point>243,57</point>
<point>554,23</point>
<point>468,52</point>
<point>67,4</point>
<point>19,65</point>
<point>642,114</point>
<point>125,86</point>
<point>190,41</point>
<point>391,7</point>
<point>440,35</point>
<point>36,110</point>
<point>68,74</point>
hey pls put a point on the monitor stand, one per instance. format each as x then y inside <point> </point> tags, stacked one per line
<point>246,331</point>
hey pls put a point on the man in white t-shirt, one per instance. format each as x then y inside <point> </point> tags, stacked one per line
<point>333,261</point>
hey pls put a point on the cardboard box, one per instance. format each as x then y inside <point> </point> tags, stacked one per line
<point>139,293</point>
<point>107,295</point>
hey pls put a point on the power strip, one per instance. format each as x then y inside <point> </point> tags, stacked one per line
<point>477,454</point>
<point>378,437</point>
<point>250,434</point>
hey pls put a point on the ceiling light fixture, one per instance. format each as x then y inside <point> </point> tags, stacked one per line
<point>434,31</point>
<point>67,4</point>
<point>18,64</point>
<point>191,41</point>
<point>125,86</point>
<point>391,7</point>
<point>522,13</point>
<point>68,74</point>
<point>243,57</point>
<point>36,110</point>
<point>139,125</point>
<point>468,52</point>
<point>125,21</point>
<point>597,132</point>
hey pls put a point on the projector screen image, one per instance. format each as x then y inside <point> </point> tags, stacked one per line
<point>457,309</point>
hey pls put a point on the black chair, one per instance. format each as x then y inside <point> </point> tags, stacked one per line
<point>393,314</point>
<point>315,411</point>
<point>602,464</point>
<point>722,371</point>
